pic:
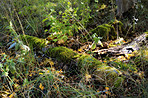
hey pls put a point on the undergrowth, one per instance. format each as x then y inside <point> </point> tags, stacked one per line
<point>25,71</point>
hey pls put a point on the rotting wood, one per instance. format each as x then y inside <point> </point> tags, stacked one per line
<point>127,48</point>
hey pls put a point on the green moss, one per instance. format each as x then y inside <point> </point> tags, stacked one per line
<point>86,61</point>
<point>108,75</point>
<point>104,31</point>
<point>107,31</point>
<point>62,54</point>
<point>34,41</point>
<point>109,71</point>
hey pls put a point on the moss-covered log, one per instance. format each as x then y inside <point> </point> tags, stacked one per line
<point>87,63</point>
<point>82,61</point>
<point>62,54</point>
<point>34,41</point>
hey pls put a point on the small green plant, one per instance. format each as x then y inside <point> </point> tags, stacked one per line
<point>96,41</point>
<point>8,65</point>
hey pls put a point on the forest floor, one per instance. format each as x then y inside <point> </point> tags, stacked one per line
<point>58,57</point>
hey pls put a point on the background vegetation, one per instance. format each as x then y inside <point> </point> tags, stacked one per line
<point>25,71</point>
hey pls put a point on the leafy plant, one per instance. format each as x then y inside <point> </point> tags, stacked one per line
<point>69,20</point>
<point>96,41</point>
<point>8,65</point>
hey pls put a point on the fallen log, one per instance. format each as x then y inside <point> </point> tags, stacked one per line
<point>83,62</point>
<point>87,64</point>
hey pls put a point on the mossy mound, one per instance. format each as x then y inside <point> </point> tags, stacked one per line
<point>108,75</point>
<point>104,31</point>
<point>107,31</point>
